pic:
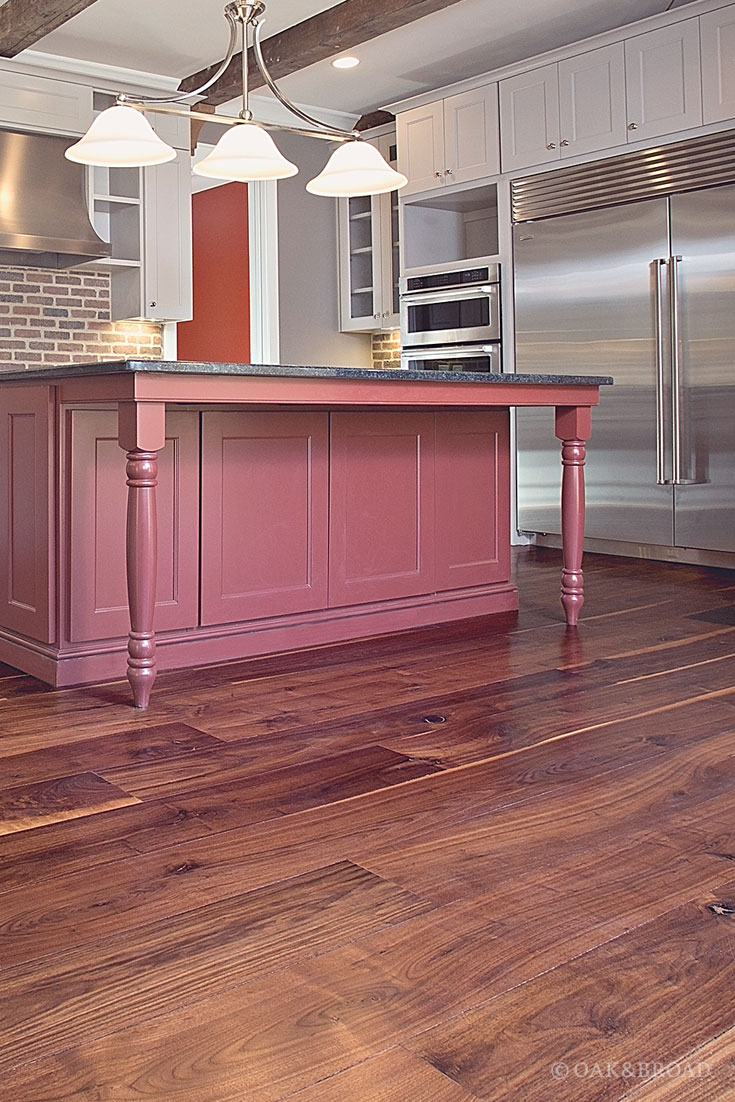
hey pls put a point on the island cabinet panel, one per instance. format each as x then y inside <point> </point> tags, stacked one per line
<point>381,507</point>
<point>26,512</point>
<point>98,601</point>
<point>472,499</point>
<point>264,514</point>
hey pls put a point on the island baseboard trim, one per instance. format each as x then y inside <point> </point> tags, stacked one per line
<point>107,660</point>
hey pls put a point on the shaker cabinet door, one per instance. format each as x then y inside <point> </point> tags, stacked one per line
<point>529,118</point>
<point>662,76</point>
<point>717,31</point>
<point>592,101</point>
<point>95,526</point>
<point>472,498</point>
<point>420,136</point>
<point>264,514</point>
<point>381,507</point>
<point>471,135</point>
<point>27,514</point>
<point>167,253</point>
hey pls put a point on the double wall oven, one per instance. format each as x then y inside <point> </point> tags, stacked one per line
<point>450,320</point>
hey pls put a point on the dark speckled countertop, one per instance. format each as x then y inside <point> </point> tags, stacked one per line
<point>180,367</point>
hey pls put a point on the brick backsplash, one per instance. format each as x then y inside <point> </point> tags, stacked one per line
<point>387,349</point>
<point>50,317</point>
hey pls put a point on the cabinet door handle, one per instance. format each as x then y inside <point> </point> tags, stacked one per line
<point>449,172</point>
<point>153,304</point>
<point>551,145</point>
<point>632,126</point>
<point>438,175</point>
<point>564,142</point>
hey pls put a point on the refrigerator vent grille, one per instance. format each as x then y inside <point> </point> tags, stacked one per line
<point>682,166</point>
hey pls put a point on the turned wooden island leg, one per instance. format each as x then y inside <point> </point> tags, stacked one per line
<point>142,433</point>
<point>573,424</point>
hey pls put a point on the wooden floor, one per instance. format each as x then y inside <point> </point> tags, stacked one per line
<point>491,861</point>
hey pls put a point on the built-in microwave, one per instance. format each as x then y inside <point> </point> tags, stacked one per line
<point>453,307</point>
<point>460,357</point>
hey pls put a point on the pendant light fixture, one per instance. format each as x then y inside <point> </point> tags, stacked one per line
<point>121,136</point>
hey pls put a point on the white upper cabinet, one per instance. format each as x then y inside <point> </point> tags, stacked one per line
<point>529,118</point>
<point>449,141</point>
<point>420,135</point>
<point>167,252</point>
<point>42,104</point>
<point>368,247</point>
<point>471,137</point>
<point>564,109</point>
<point>717,30</point>
<point>662,71</point>
<point>592,101</point>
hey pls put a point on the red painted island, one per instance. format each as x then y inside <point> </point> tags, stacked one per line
<point>265,508</point>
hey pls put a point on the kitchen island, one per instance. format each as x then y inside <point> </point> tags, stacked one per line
<point>268,508</point>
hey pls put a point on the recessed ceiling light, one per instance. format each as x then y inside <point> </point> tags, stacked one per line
<point>345,62</point>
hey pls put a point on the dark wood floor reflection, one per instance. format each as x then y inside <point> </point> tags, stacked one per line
<point>489,861</point>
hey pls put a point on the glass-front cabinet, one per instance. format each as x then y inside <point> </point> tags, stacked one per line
<point>369,262</point>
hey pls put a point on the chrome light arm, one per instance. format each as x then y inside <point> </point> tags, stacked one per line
<point>240,15</point>
<point>133,101</point>
<point>334,131</point>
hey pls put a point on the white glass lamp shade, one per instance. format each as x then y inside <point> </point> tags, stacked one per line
<point>356,168</point>
<point>246,152</point>
<point>120,137</point>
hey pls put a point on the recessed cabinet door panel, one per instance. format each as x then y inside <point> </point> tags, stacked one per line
<point>167,263</point>
<point>420,136</point>
<point>529,118</point>
<point>264,514</point>
<point>471,133</point>
<point>381,506</point>
<point>26,512</point>
<point>662,74</point>
<point>717,31</point>
<point>472,499</point>
<point>592,100</point>
<point>98,601</point>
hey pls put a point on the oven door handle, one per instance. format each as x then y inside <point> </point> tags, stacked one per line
<point>456,293</point>
<point>450,353</point>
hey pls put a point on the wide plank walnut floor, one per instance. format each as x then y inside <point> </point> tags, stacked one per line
<point>488,861</point>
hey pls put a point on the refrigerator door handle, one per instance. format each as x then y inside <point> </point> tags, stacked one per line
<point>661,479</point>
<point>673,265</point>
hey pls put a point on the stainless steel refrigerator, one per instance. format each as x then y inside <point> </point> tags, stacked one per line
<point>643,290</point>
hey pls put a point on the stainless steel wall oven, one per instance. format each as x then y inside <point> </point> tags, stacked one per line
<point>452,319</point>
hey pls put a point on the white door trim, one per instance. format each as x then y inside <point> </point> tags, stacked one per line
<point>263,247</point>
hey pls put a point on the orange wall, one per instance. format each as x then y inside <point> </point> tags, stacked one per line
<point>220,329</point>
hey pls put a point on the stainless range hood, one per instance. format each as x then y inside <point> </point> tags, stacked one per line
<point>44,220</point>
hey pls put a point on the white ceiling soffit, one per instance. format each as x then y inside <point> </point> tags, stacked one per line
<point>178,37</point>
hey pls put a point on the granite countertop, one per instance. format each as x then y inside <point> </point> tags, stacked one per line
<point>181,367</point>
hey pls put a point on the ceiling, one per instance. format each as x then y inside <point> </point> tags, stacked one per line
<point>178,37</point>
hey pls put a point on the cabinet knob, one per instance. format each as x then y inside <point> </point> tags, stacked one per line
<point>564,142</point>
<point>551,145</point>
<point>449,172</point>
<point>386,313</point>
<point>153,304</point>
<point>632,126</point>
<point>438,175</point>
<point>376,317</point>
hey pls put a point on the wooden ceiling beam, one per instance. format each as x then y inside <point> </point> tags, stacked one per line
<point>24,22</point>
<point>331,32</point>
